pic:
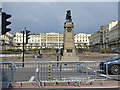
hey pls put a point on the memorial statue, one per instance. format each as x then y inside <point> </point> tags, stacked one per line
<point>68,16</point>
<point>69,51</point>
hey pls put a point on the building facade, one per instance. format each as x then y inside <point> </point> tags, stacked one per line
<point>114,37</point>
<point>49,40</point>
<point>107,37</point>
<point>94,41</point>
<point>34,41</point>
<point>82,40</point>
<point>6,41</point>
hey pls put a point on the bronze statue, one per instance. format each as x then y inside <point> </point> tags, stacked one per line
<point>68,16</point>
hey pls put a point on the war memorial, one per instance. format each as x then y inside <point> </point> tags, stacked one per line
<point>69,53</point>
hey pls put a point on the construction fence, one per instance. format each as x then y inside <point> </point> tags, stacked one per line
<point>52,71</point>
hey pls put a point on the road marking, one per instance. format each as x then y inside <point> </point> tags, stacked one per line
<point>32,78</point>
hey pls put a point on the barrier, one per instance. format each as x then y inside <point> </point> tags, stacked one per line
<point>7,73</point>
<point>54,71</point>
<point>26,73</point>
<point>62,71</point>
<point>9,55</point>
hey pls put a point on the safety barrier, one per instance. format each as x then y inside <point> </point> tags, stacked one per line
<point>9,55</point>
<point>7,73</point>
<point>53,71</point>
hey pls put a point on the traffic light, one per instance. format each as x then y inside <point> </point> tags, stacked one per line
<point>27,36</point>
<point>5,23</point>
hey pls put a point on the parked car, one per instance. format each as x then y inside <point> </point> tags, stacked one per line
<point>112,65</point>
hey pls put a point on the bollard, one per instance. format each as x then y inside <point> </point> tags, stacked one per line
<point>49,71</point>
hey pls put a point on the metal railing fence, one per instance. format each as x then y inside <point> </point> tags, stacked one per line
<point>53,71</point>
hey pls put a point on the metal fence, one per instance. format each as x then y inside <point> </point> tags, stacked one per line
<point>53,71</point>
<point>69,71</point>
<point>7,73</point>
<point>9,55</point>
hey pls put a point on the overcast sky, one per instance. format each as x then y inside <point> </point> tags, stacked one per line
<point>50,17</point>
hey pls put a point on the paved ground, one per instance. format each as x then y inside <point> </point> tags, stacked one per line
<point>95,84</point>
<point>82,57</point>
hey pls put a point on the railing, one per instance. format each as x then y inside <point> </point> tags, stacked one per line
<point>53,71</point>
<point>9,55</point>
<point>7,73</point>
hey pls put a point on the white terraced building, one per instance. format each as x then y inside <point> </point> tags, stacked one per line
<point>107,37</point>
<point>47,40</point>
<point>6,41</point>
<point>82,40</point>
<point>50,40</point>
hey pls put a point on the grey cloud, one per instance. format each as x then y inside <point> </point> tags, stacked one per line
<point>50,17</point>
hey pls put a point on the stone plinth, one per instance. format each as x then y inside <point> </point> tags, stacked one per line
<point>69,53</point>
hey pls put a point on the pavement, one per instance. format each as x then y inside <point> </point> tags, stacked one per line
<point>95,84</point>
<point>45,57</point>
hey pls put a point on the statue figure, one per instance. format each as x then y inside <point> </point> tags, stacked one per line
<point>68,16</point>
